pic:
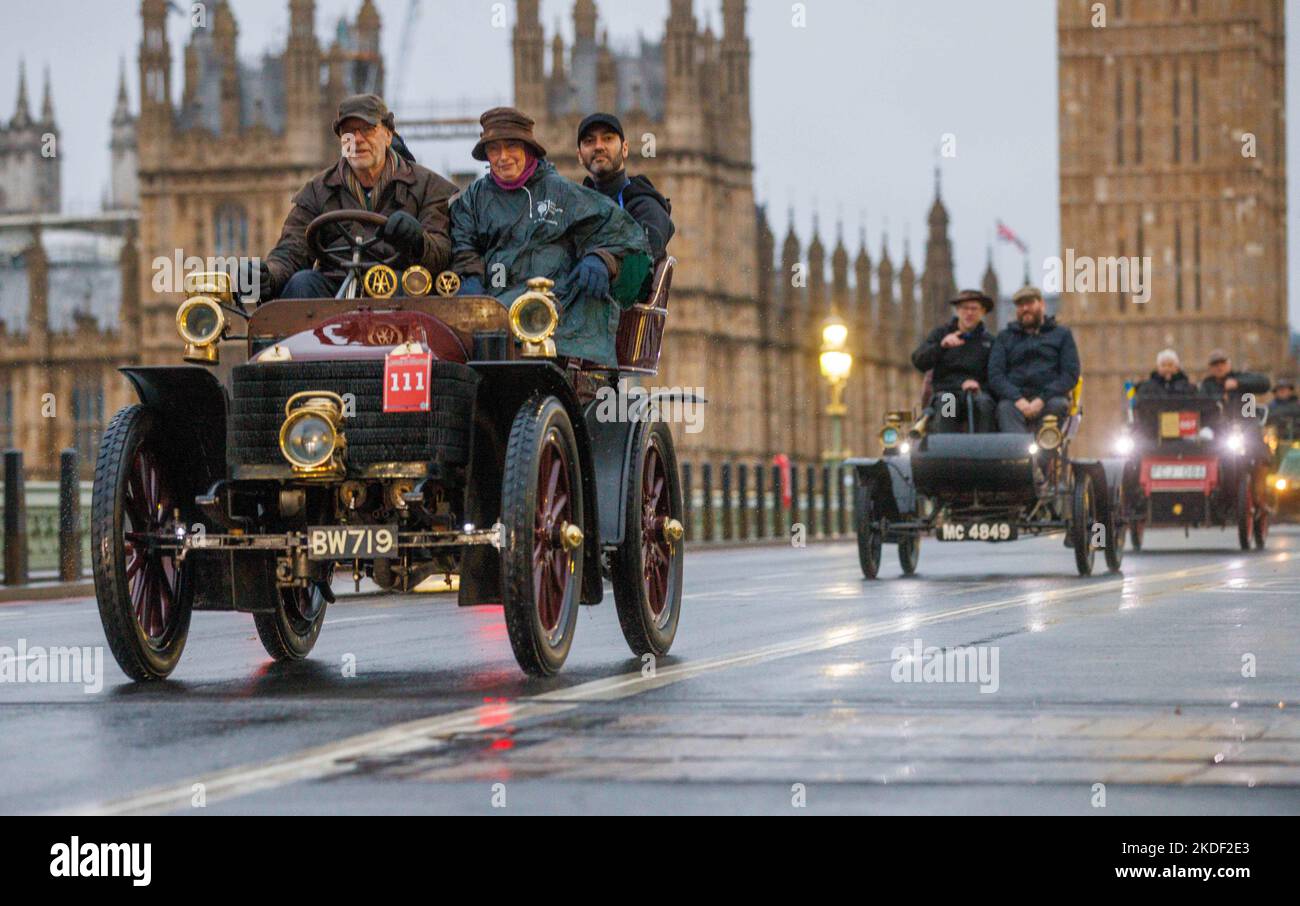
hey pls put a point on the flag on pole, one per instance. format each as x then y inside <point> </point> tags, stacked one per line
<point>1006,234</point>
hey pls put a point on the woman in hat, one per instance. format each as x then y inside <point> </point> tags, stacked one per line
<point>524,220</point>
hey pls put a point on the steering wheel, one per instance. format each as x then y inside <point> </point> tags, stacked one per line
<point>355,251</point>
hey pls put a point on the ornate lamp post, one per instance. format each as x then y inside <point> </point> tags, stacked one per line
<point>836,363</point>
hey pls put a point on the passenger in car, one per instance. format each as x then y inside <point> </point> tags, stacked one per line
<point>1034,366</point>
<point>1168,380</point>
<point>524,220</point>
<point>957,355</point>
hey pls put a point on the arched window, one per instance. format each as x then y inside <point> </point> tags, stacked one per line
<point>230,231</point>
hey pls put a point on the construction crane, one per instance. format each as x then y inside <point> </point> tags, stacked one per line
<point>404,55</point>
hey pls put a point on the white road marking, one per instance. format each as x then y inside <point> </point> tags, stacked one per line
<point>337,758</point>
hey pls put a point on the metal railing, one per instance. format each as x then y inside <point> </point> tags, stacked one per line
<point>46,524</point>
<point>734,502</point>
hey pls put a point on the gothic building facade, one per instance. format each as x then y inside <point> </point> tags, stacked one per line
<point>1173,149</point>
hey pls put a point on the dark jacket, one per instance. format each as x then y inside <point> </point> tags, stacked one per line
<point>1156,387</point>
<point>543,230</point>
<point>414,189</point>
<point>1038,365</point>
<point>638,196</point>
<point>1247,382</point>
<point>954,367</point>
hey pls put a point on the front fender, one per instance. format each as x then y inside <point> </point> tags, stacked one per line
<point>615,423</point>
<point>192,404</point>
<point>891,481</point>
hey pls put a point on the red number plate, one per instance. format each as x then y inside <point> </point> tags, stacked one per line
<point>406,382</point>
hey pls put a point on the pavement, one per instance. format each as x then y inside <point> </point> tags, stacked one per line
<point>994,682</point>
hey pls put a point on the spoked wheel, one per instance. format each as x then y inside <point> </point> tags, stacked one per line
<point>1083,516</point>
<point>290,632</point>
<point>542,511</point>
<point>1137,533</point>
<point>1245,512</point>
<point>871,540</point>
<point>1116,531</point>
<point>647,567</point>
<point>909,553</point>
<point>145,593</point>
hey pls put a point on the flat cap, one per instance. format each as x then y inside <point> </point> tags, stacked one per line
<point>1217,356</point>
<point>1027,294</point>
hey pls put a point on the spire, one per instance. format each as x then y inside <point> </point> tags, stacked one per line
<point>122,110</point>
<point>22,115</point>
<point>990,281</point>
<point>584,21</point>
<point>47,101</point>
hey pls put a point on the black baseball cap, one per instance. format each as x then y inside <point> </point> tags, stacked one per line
<point>601,119</point>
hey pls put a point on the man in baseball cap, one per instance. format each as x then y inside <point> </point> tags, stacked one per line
<point>603,152</point>
<point>369,176</point>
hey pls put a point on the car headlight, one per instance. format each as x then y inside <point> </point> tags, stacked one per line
<point>201,322</point>
<point>1236,443</point>
<point>1049,436</point>
<point>889,436</point>
<point>1281,484</point>
<point>534,317</point>
<point>311,438</point>
<point>1124,445</point>
<point>905,448</point>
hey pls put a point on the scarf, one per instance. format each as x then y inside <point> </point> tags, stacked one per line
<point>359,191</point>
<point>529,170</point>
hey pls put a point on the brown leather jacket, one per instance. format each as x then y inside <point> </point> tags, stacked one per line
<point>414,189</point>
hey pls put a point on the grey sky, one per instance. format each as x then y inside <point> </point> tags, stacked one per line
<point>848,112</point>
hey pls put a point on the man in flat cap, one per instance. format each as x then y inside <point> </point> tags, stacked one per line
<point>1284,410</point>
<point>603,152</point>
<point>369,176</point>
<point>1033,367</point>
<point>1229,385</point>
<point>524,220</point>
<point>957,355</point>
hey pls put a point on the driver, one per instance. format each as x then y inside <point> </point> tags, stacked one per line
<point>369,176</point>
<point>524,220</point>
<point>957,353</point>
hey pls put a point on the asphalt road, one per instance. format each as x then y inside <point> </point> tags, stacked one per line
<point>782,695</point>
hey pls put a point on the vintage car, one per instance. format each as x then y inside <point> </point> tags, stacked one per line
<point>1191,466</point>
<point>1284,482</point>
<point>390,437</point>
<point>991,487</point>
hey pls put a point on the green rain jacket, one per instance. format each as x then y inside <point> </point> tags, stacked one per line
<point>543,230</point>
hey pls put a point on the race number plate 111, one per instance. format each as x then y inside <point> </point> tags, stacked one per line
<point>406,380</point>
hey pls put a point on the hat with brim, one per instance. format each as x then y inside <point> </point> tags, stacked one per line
<point>973,295</point>
<point>369,108</point>
<point>1218,356</point>
<point>506,124</point>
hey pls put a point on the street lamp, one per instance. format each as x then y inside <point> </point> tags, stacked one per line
<point>836,363</point>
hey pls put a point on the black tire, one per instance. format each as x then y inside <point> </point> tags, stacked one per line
<point>1137,531</point>
<point>541,630</point>
<point>290,633</point>
<point>646,569</point>
<point>1261,528</point>
<point>145,598</point>
<point>1116,531</point>
<point>1245,512</point>
<point>871,540</point>
<point>909,553</point>
<point>1083,515</point>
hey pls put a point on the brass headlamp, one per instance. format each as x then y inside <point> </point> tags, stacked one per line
<point>534,317</point>
<point>1049,435</point>
<point>201,322</point>
<point>311,438</point>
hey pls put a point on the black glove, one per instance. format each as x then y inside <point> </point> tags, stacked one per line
<point>254,281</point>
<point>591,277</point>
<point>404,233</point>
